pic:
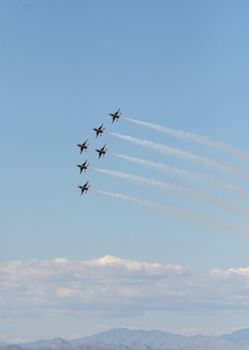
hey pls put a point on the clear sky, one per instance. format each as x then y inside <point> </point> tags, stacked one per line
<point>64,65</point>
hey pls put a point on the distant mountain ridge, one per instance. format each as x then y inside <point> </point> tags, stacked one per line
<point>127,339</point>
<point>239,337</point>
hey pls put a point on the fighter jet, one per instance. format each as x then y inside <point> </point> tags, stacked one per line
<point>84,188</point>
<point>115,116</point>
<point>83,146</point>
<point>101,151</point>
<point>100,130</point>
<point>83,166</point>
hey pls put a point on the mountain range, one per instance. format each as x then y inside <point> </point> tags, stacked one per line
<point>126,339</point>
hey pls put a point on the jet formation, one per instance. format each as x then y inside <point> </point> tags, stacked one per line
<point>101,152</point>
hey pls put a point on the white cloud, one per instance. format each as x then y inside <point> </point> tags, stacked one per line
<point>133,266</point>
<point>241,273</point>
<point>112,285</point>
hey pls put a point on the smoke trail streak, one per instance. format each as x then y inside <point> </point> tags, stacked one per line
<point>192,137</point>
<point>175,188</point>
<point>176,152</point>
<point>192,217</point>
<point>185,173</point>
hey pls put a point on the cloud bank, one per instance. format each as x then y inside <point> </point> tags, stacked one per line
<point>115,286</point>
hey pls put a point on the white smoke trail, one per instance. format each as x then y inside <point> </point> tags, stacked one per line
<point>175,188</point>
<point>185,173</point>
<point>176,152</point>
<point>192,137</point>
<point>148,204</point>
<point>193,217</point>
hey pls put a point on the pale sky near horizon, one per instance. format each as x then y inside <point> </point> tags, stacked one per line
<point>64,65</point>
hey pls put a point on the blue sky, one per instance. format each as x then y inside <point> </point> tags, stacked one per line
<point>64,65</point>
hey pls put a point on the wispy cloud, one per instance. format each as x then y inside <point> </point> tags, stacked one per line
<point>184,155</point>
<point>192,137</point>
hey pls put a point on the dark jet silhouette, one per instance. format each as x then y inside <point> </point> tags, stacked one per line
<point>83,166</point>
<point>83,146</point>
<point>115,116</point>
<point>101,151</point>
<point>84,188</point>
<point>99,130</point>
